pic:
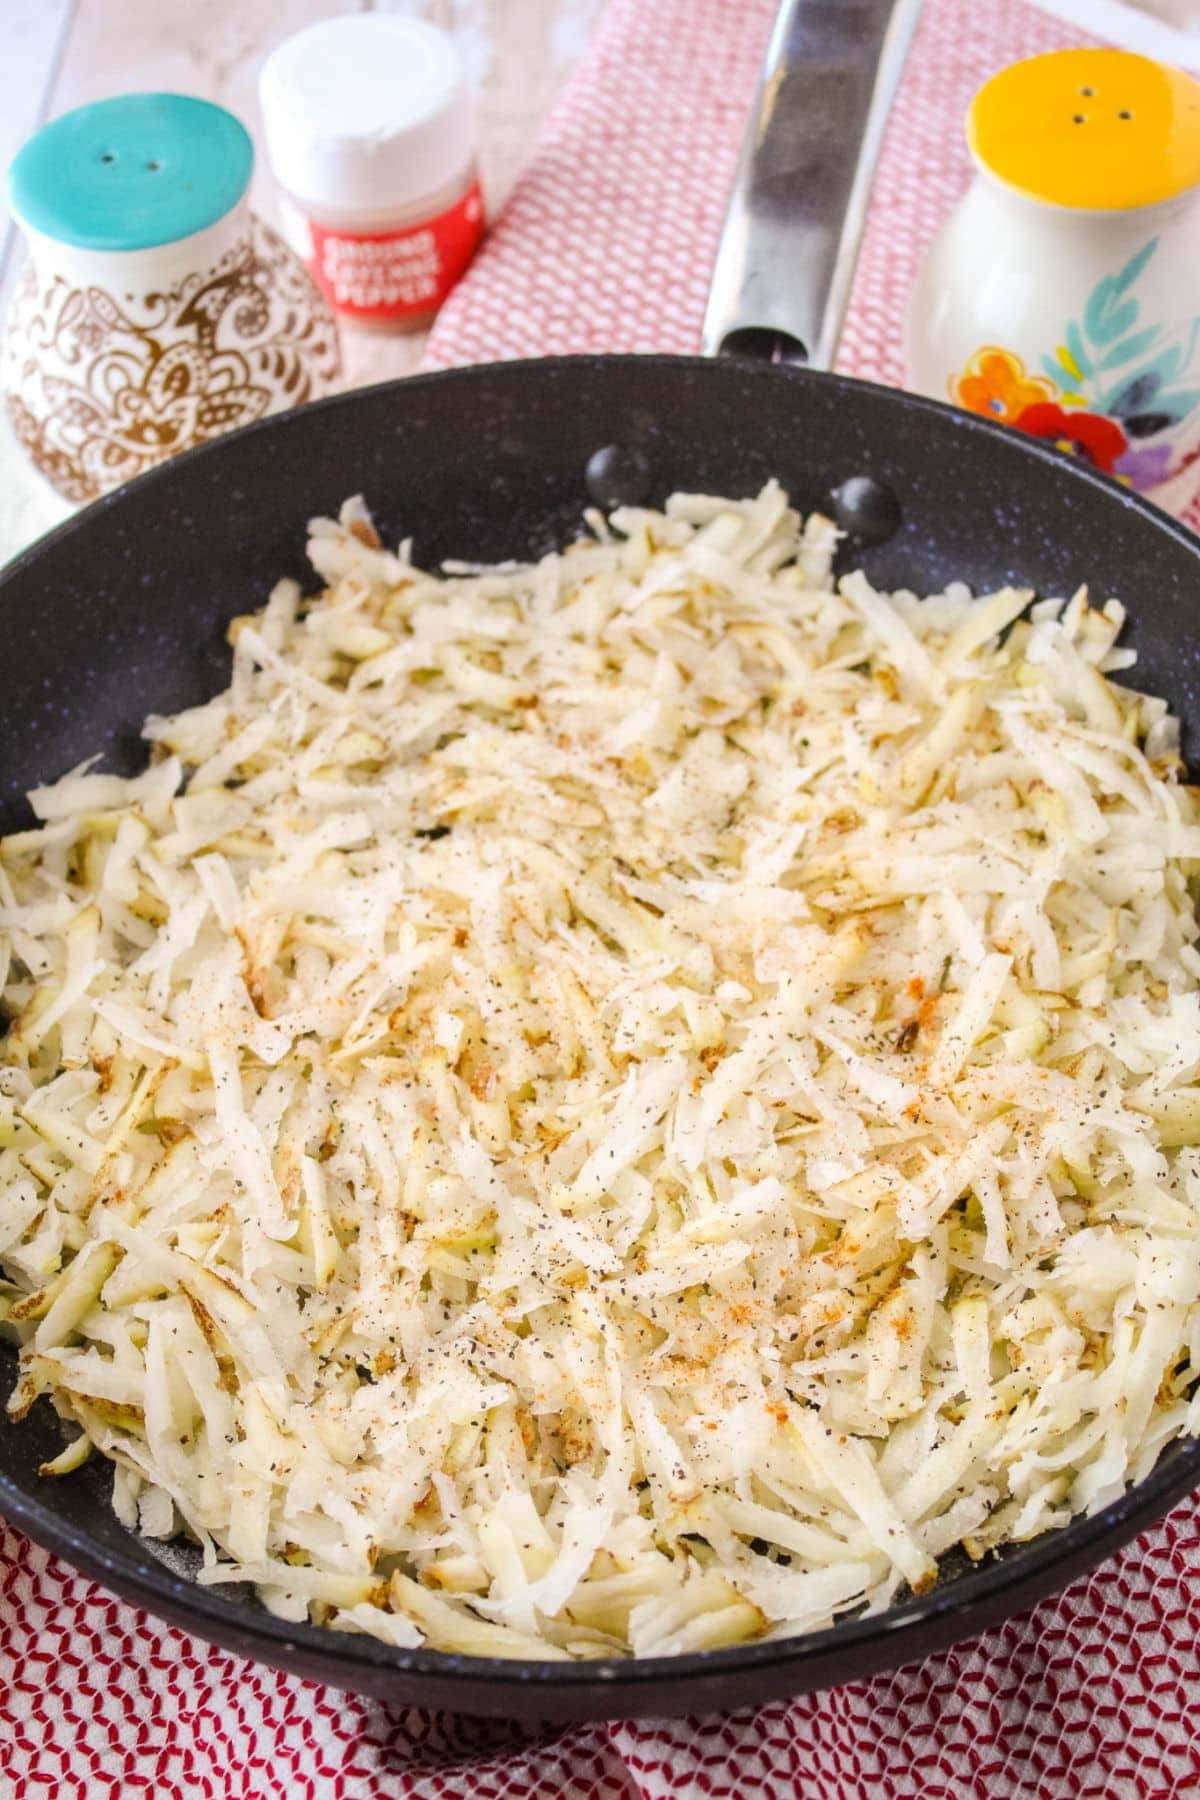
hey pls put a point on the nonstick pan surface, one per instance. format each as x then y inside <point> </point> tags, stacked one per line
<point>121,612</point>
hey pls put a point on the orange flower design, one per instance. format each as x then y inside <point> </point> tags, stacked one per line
<point>996,384</point>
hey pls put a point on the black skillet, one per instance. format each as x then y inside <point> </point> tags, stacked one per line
<point>121,611</point>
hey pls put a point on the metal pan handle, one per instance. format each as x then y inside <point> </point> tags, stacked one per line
<point>791,237</point>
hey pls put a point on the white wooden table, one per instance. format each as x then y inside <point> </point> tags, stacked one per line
<point>58,54</point>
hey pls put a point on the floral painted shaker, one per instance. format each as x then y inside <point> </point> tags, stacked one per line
<point>157,311</point>
<point>1063,294</point>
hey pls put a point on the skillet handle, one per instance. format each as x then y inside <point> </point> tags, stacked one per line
<point>791,236</point>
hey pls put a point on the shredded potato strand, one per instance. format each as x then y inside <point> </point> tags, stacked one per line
<point>616,1105</point>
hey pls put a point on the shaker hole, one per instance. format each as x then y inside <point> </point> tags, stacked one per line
<point>1124,113</point>
<point>108,156</point>
<point>1088,93</point>
<point>1079,119</point>
<point>154,165</point>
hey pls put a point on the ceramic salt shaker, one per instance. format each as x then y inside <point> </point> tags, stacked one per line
<point>157,310</point>
<point>1063,294</point>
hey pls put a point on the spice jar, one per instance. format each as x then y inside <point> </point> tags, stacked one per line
<point>370,132</point>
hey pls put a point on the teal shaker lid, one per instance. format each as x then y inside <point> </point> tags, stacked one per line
<point>131,173</point>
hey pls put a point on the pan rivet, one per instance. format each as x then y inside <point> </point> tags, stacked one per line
<point>617,477</point>
<point>866,509</point>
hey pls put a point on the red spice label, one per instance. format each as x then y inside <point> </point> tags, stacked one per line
<point>397,274</point>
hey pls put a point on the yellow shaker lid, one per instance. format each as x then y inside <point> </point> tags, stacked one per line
<point>1098,129</point>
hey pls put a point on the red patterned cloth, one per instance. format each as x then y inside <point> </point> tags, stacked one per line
<point>1093,1696</point>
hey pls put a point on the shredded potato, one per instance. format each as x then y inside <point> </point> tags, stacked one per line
<point>618,1105</point>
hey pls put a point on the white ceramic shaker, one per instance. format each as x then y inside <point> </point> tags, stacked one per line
<point>1063,294</point>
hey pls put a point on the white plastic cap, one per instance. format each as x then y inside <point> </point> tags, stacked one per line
<point>367,110</point>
